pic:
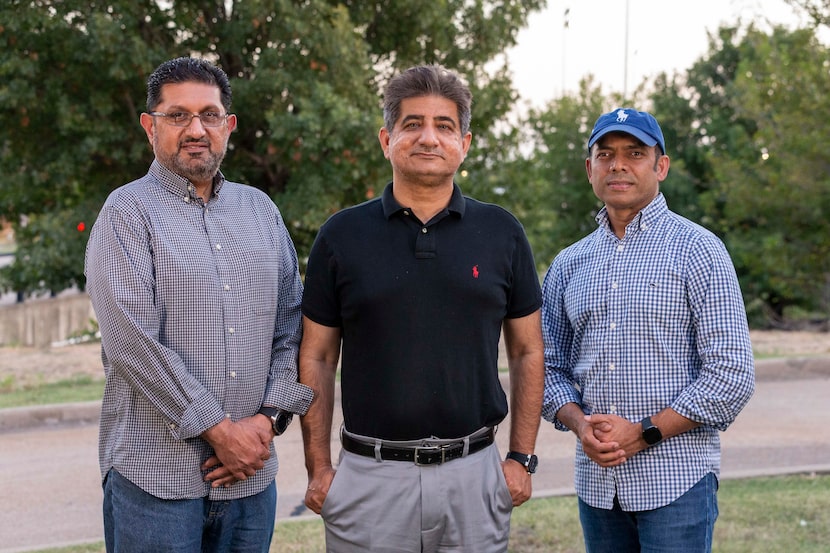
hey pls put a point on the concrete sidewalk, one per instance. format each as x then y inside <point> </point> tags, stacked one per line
<point>49,469</point>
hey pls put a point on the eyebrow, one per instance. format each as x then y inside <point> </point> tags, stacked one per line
<point>441,118</point>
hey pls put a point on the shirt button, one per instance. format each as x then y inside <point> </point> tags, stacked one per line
<point>218,246</point>
<point>227,287</point>
<point>405,212</point>
<point>620,248</point>
<point>172,426</point>
<point>233,374</point>
<point>613,409</point>
<point>424,230</point>
<point>611,367</point>
<point>231,330</point>
<point>614,285</point>
<point>613,326</point>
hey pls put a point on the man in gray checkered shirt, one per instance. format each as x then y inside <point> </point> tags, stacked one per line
<point>195,284</point>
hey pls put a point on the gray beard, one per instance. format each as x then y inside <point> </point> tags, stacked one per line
<point>205,169</point>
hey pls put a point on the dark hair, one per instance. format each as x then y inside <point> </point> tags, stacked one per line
<point>183,70</point>
<point>426,80</point>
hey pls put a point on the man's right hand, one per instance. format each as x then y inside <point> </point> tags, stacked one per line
<point>240,451</point>
<point>318,489</point>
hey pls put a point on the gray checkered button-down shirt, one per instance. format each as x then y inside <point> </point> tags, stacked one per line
<point>199,310</point>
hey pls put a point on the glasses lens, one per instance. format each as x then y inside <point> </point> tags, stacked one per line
<point>183,118</point>
<point>179,118</point>
<point>211,118</point>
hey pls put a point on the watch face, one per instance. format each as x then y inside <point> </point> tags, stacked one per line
<point>281,421</point>
<point>652,435</point>
<point>532,463</point>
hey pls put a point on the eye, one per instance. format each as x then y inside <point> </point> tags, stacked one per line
<point>179,116</point>
<point>209,117</point>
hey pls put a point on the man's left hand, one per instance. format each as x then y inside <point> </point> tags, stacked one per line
<point>518,481</point>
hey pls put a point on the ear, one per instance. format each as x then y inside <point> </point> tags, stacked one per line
<point>663,167</point>
<point>232,122</point>
<point>384,138</point>
<point>467,139</point>
<point>146,121</point>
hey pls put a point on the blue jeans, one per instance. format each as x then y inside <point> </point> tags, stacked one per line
<point>683,526</point>
<point>137,522</point>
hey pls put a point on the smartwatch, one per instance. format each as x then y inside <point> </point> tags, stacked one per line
<point>529,462</point>
<point>651,434</point>
<point>279,419</point>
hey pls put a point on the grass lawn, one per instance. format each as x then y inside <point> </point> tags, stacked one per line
<point>77,389</point>
<point>782,514</point>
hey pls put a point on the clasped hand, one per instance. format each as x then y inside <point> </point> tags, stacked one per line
<point>610,440</point>
<point>241,448</point>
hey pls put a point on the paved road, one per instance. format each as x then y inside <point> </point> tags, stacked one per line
<point>49,482</point>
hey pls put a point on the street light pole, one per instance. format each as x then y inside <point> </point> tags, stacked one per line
<point>625,63</point>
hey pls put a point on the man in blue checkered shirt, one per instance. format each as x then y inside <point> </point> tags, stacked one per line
<point>647,352</point>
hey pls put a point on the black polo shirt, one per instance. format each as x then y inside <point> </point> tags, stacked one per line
<point>420,307</point>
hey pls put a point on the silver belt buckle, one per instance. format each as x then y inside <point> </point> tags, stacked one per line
<point>418,449</point>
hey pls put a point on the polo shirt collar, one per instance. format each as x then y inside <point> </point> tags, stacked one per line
<point>391,206</point>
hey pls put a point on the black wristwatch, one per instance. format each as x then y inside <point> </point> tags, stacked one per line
<point>529,462</point>
<point>651,434</point>
<point>279,419</point>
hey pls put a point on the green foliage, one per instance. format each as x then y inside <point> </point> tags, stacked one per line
<point>744,125</point>
<point>747,122</point>
<point>306,78</point>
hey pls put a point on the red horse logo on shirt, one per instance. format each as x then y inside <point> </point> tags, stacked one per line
<point>475,271</point>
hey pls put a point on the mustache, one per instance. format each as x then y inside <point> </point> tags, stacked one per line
<point>187,141</point>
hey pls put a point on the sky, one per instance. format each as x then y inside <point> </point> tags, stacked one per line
<point>662,35</point>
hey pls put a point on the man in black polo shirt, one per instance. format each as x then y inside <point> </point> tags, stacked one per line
<point>416,286</point>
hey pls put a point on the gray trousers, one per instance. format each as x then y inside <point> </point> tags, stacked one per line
<point>396,506</point>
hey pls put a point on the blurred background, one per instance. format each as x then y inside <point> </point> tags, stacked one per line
<point>740,89</point>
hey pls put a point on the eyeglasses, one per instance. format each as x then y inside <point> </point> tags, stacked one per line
<point>183,118</point>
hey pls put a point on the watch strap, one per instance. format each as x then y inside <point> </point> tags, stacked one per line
<point>529,462</point>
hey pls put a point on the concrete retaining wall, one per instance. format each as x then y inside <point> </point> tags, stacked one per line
<point>40,322</point>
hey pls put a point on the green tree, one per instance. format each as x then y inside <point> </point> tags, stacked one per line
<point>306,78</point>
<point>747,120</point>
<point>777,192</point>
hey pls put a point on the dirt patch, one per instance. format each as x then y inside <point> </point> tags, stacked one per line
<point>21,367</point>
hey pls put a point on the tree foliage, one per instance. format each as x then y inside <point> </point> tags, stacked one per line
<point>306,76</point>
<point>747,120</point>
<point>744,125</point>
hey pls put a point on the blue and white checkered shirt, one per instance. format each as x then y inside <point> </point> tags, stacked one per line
<point>199,310</point>
<point>638,324</point>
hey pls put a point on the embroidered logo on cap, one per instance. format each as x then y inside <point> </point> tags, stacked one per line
<point>622,116</point>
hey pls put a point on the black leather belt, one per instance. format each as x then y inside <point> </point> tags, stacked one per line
<point>420,455</point>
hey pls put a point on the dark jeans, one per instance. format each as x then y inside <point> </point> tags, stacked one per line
<point>683,526</point>
<point>137,522</point>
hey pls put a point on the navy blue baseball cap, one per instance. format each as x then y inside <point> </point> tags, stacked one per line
<point>636,123</point>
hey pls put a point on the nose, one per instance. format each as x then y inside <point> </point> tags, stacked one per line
<point>198,129</point>
<point>429,135</point>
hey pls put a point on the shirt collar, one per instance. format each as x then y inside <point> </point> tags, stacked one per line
<point>180,186</point>
<point>646,218</point>
<point>391,206</point>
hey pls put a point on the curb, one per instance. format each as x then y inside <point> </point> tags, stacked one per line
<point>24,418</point>
<point>45,416</point>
